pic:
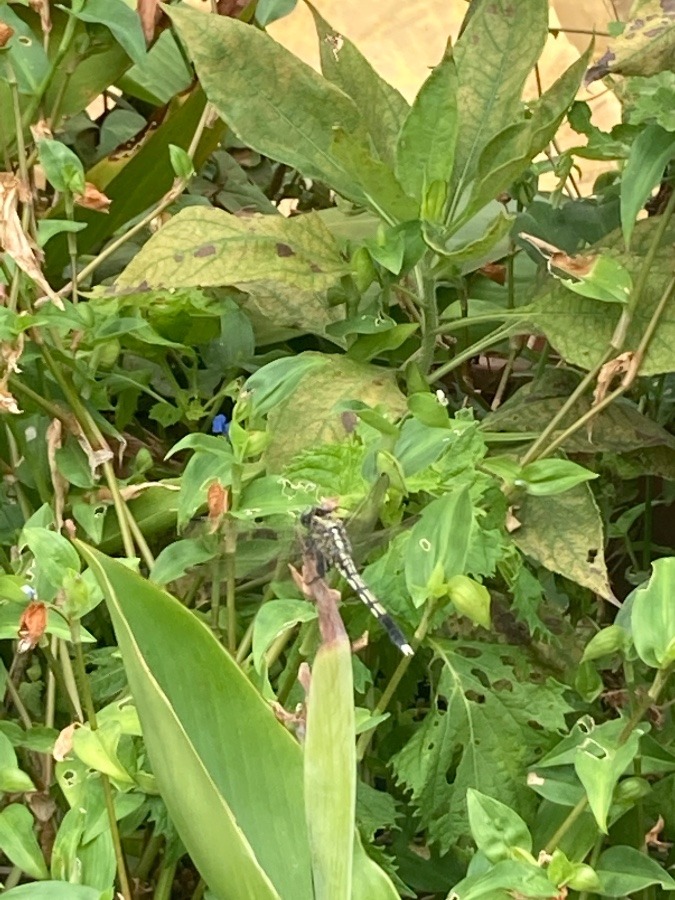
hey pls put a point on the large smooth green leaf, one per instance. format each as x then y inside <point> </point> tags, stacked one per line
<point>275,103</point>
<point>57,890</point>
<point>626,870</point>
<point>564,533</point>
<point>123,22</point>
<point>426,144</point>
<point>496,829</point>
<point>344,65</point>
<point>330,762</point>
<point>494,55</point>
<point>650,152</point>
<point>217,750</point>
<point>286,264</point>
<point>653,616</point>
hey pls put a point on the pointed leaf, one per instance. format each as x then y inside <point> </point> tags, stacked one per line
<point>496,829</point>
<point>18,841</point>
<point>286,264</point>
<point>279,106</point>
<point>425,149</point>
<point>650,153</point>
<point>229,777</point>
<point>344,65</point>
<point>653,616</point>
<point>497,50</point>
<point>626,870</point>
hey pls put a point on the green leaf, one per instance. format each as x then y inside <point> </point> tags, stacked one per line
<point>470,599</point>
<point>564,533</point>
<point>426,144</point>
<point>650,153</point>
<point>12,778</point>
<point>313,412</point>
<point>48,228</point>
<point>485,725</point>
<point>286,264</point>
<point>438,546</point>
<point>546,477</point>
<point>644,45</point>
<point>294,124</point>
<point>181,162</point>
<point>497,50</point>
<point>344,65</point>
<point>625,870</point>
<point>330,766</point>
<point>457,251</point>
<point>57,890</point>
<point>98,749</point>
<point>496,829</point>
<point>600,760</point>
<point>273,619</point>
<point>160,75</point>
<point>506,878</point>
<point>653,616</point>
<point>18,841</point>
<point>268,11</point>
<point>54,554</point>
<point>606,280</point>
<point>24,53</point>
<point>509,152</point>
<point>62,167</point>
<point>580,329</point>
<point>379,185</point>
<point>171,658</point>
<point>175,559</point>
<point>122,21</point>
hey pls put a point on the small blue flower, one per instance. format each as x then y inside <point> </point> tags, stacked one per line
<point>220,425</point>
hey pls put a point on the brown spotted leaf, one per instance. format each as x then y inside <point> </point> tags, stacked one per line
<point>645,47</point>
<point>312,414</point>
<point>286,265</point>
<point>564,534</point>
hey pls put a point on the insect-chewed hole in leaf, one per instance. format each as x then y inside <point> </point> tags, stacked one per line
<point>441,704</point>
<point>534,725</point>
<point>503,685</point>
<point>590,556</point>
<point>469,652</point>
<point>285,250</point>
<point>475,697</point>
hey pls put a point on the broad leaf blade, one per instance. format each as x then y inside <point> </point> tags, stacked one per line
<point>563,532</point>
<point>228,750</point>
<point>344,65</point>
<point>649,154</point>
<point>280,107</point>
<point>496,52</point>
<point>330,767</point>
<point>286,264</point>
<point>426,145</point>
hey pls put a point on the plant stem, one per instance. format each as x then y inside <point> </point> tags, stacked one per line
<point>87,699</point>
<point>366,736</point>
<point>428,303</point>
<point>71,239</point>
<point>493,338</point>
<point>172,194</point>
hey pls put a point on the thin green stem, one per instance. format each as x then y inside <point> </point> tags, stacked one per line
<point>88,700</point>
<point>18,704</point>
<point>494,337</point>
<point>216,577</point>
<point>163,888</point>
<point>57,62</point>
<point>172,194</point>
<point>71,240</point>
<point>366,737</point>
<point>428,304</point>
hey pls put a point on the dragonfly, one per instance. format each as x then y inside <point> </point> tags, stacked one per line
<point>327,540</point>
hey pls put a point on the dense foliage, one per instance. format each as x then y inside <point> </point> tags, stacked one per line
<point>234,288</point>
